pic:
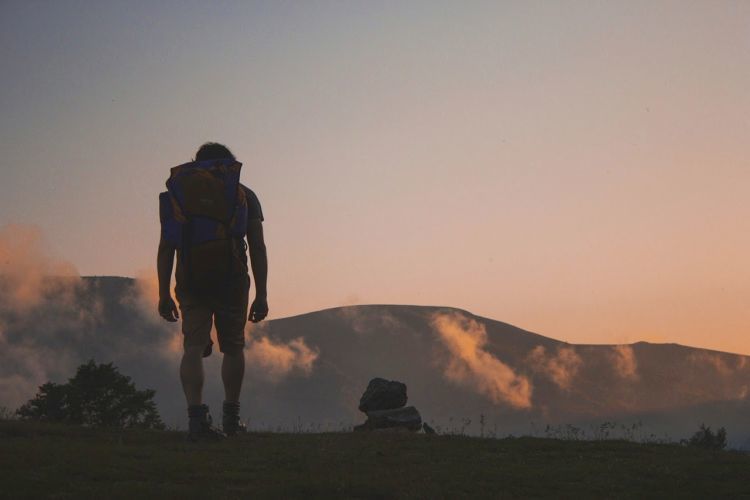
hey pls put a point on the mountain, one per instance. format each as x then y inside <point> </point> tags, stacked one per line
<point>464,373</point>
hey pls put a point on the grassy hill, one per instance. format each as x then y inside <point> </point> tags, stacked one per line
<point>38,460</point>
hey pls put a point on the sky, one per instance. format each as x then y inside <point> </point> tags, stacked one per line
<point>577,169</point>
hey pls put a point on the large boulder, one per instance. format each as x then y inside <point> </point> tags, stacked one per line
<point>382,394</point>
<point>405,418</point>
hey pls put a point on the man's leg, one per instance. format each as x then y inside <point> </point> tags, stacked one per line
<point>197,319</point>
<point>231,318</point>
<point>232,374</point>
<point>191,374</point>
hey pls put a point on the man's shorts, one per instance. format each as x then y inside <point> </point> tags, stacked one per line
<point>228,314</point>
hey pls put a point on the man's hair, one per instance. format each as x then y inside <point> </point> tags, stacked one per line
<point>213,151</point>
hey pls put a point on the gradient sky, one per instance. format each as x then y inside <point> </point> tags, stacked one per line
<point>578,169</point>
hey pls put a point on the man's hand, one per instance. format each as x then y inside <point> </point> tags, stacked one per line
<point>259,310</point>
<point>168,309</point>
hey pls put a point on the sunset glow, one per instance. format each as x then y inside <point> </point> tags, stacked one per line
<point>577,169</point>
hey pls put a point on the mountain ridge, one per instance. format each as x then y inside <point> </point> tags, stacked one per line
<point>133,280</point>
<point>313,367</point>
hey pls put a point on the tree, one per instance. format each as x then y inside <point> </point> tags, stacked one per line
<point>706,438</point>
<point>98,395</point>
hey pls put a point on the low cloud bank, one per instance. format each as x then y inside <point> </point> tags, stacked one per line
<point>52,320</point>
<point>625,362</point>
<point>143,300</point>
<point>37,293</point>
<point>714,362</point>
<point>561,367</point>
<point>28,274</point>
<point>471,365</point>
<point>273,360</point>
<point>366,321</point>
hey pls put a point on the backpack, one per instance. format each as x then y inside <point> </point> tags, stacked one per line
<point>206,220</point>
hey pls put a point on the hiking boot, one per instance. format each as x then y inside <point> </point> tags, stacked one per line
<point>232,429</point>
<point>200,427</point>
<point>230,421</point>
<point>206,433</point>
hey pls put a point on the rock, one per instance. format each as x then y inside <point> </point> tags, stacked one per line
<point>427,429</point>
<point>393,430</point>
<point>406,418</point>
<point>383,394</point>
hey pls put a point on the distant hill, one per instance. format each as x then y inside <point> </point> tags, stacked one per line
<point>308,371</point>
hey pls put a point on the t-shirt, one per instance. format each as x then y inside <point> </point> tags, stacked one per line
<point>253,205</point>
<point>254,211</point>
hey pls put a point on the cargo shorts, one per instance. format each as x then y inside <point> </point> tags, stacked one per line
<point>228,314</point>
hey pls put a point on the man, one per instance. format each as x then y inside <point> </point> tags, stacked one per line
<point>216,289</point>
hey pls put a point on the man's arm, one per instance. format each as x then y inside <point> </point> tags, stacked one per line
<point>164,265</point>
<point>259,263</point>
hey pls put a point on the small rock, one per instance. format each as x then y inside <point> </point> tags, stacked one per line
<point>393,430</point>
<point>383,394</point>
<point>427,429</point>
<point>406,418</point>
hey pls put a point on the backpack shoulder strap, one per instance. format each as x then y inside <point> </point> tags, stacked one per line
<point>238,223</point>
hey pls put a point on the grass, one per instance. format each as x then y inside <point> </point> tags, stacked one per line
<point>43,460</point>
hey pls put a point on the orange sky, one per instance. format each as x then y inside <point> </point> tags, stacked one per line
<point>578,170</point>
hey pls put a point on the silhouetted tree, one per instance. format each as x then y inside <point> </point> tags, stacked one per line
<point>706,438</point>
<point>98,395</point>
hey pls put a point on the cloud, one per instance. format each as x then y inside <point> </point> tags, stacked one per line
<point>26,366</point>
<point>561,368</point>
<point>273,360</point>
<point>52,320</point>
<point>145,295</point>
<point>266,358</point>
<point>27,270</point>
<point>37,293</point>
<point>742,393</point>
<point>624,362</point>
<point>714,361</point>
<point>144,299</point>
<point>472,365</point>
<point>369,320</point>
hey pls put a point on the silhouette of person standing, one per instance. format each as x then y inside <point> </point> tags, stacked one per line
<point>212,281</point>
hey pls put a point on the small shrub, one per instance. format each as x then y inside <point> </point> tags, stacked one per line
<point>566,432</point>
<point>706,438</point>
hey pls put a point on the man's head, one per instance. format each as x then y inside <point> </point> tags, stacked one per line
<point>213,151</point>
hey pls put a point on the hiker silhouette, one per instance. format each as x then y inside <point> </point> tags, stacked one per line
<point>206,214</point>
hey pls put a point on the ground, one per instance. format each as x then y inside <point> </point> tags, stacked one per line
<point>38,460</point>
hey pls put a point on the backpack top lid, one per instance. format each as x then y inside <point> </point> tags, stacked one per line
<point>205,188</point>
<point>227,163</point>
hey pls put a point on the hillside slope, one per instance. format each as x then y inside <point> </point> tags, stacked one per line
<point>308,371</point>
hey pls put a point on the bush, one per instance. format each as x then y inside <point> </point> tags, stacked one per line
<point>6,413</point>
<point>98,396</point>
<point>705,438</point>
